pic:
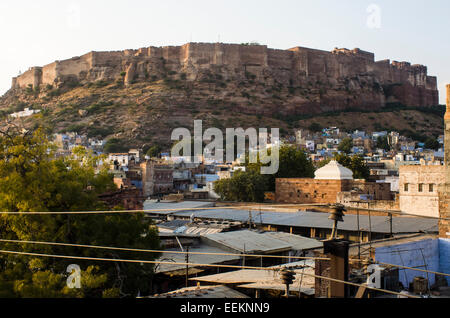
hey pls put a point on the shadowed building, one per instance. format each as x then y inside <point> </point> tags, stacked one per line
<point>444,193</point>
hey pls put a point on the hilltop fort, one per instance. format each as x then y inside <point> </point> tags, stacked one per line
<point>338,79</point>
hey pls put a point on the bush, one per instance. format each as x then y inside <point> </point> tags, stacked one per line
<point>315,127</point>
<point>100,131</point>
<point>76,128</point>
<point>115,145</point>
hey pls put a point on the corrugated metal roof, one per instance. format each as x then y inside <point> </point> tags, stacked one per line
<point>379,224</point>
<point>268,277</point>
<point>203,292</point>
<point>297,242</point>
<point>193,258</point>
<point>186,205</point>
<point>249,242</point>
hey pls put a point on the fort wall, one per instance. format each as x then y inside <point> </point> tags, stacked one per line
<point>340,69</point>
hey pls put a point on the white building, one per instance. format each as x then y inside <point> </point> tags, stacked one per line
<point>25,113</point>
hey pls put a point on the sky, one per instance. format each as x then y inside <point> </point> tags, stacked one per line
<point>36,33</point>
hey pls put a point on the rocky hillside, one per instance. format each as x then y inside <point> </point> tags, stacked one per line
<point>144,113</point>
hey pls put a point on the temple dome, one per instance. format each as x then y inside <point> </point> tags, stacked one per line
<point>334,171</point>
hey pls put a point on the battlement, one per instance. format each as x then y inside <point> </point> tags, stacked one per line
<point>294,67</point>
<point>355,53</point>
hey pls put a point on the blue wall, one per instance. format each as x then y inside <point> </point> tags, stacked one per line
<point>444,257</point>
<point>410,254</point>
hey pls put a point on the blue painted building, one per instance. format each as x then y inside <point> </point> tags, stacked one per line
<point>432,255</point>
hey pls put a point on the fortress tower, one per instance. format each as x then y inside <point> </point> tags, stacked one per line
<point>444,195</point>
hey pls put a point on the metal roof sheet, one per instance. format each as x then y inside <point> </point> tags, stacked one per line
<point>186,205</point>
<point>378,224</point>
<point>193,258</point>
<point>249,242</point>
<point>203,292</point>
<point>297,242</point>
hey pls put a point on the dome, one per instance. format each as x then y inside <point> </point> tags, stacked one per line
<point>334,171</point>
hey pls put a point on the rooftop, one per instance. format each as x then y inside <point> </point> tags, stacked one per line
<point>203,292</point>
<point>377,224</point>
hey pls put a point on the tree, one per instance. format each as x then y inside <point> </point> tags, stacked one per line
<point>250,186</point>
<point>315,127</point>
<point>114,145</point>
<point>346,145</point>
<point>355,163</point>
<point>383,143</point>
<point>154,151</point>
<point>33,179</point>
<point>432,143</point>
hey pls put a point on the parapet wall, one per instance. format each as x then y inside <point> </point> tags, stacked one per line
<point>297,67</point>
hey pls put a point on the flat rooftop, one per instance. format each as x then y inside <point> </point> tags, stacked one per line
<point>377,224</point>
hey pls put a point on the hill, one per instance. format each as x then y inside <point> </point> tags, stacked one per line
<point>146,113</point>
<point>139,96</point>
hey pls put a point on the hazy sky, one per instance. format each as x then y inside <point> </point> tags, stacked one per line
<point>35,33</point>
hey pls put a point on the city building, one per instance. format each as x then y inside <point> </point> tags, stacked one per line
<point>418,187</point>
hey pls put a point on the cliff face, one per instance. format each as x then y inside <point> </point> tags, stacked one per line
<point>319,80</point>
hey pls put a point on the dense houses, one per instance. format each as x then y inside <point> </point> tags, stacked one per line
<point>399,171</point>
<point>178,194</point>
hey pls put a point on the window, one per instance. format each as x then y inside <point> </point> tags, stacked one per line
<point>431,187</point>
<point>420,187</point>
<point>406,187</point>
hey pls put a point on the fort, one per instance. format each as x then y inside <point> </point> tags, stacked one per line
<point>376,83</point>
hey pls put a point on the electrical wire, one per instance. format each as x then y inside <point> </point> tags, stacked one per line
<point>252,208</point>
<point>199,265</point>
<point>158,251</point>
<point>139,211</point>
<point>210,253</point>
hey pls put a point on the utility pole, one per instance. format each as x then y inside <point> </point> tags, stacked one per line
<point>187,266</point>
<point>390,224</point>
<point>338,254</point>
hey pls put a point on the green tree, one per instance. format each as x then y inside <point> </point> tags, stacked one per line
<point>250,186</point>
<point>383,143</point>
<point>114,145</point>
<point>32,179</point>
<point>432,143</point>
<point>154,151</point>
<point>315,127</point>
<point>355,163</point>
<point>346,145</point>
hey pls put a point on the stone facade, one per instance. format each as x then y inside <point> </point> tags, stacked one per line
<point>344,78</point>
<point>313,191</point>
<point>418,188</point>
<point>444,191</point>
<point>157,178</point>
<point>129,199</point>
<point>305,191</point>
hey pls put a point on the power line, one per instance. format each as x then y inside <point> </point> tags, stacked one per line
<point>412,268</point>
<point>157,251</point>
<point>131,211</point>
<point>248,207</point>
<point>207,253</point>
<point>199,265</point>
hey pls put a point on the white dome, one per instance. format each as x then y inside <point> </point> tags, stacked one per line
<point>334,171</point>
